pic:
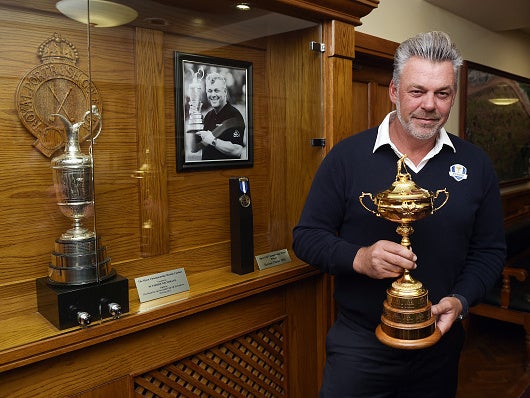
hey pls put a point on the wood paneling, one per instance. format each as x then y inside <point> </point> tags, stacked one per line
<point>295,118</point>
<point>119,388</point>
<point>371,78</point>
<point>339,106</point>
<point>152,167</point>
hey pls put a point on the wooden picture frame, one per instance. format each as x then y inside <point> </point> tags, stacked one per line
<point>495,115</point>
<point>217,94</point>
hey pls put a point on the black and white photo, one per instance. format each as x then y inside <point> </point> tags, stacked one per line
<point>214,112</point>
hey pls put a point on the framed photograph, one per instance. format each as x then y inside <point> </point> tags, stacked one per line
<point>213,112</point>
<point>495,115</point>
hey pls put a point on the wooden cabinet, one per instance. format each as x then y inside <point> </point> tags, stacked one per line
<point>262,332</point>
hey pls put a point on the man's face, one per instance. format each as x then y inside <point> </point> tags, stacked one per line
<point>216,94</point>
<point>425,96</point>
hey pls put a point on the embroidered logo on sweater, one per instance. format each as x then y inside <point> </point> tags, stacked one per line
<point>458,172</point>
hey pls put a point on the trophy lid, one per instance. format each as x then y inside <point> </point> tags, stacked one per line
<point>403,188</point>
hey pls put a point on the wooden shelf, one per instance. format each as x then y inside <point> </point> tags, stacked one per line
<point>38,339</point>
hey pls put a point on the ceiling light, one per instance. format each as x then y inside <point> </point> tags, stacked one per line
<point>103,14</point>
<point>503,101</point>
<point>243,6</point>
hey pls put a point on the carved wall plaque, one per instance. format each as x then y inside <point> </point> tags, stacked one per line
<point>55,86</point>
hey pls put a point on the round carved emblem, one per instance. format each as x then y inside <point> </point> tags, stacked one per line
<point>56,86</point>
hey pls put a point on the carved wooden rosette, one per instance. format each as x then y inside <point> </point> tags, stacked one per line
<point>56,86</point>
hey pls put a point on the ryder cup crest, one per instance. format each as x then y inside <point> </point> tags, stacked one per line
<point>458,172</point>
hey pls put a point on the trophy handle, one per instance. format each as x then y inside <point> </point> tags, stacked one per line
<point>94,112</point>
<point>363,205</point>
<point>74,128</point>
<point>444,202</point>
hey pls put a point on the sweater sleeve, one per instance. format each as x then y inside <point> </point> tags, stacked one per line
<point>315,238</point>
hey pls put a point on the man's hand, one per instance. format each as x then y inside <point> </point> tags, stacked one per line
<point>446,312</point>
<point>384,259</point>
<point>206,136</point>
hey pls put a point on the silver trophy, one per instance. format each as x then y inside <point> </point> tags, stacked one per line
<point>195,122</point>
<point>78,257</point>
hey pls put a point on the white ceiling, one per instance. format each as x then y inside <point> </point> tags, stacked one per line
<point>495,15</point>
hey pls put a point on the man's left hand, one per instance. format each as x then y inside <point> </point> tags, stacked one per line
<point>446,312</point>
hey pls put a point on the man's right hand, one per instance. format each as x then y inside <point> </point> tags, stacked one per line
<point>384,259</point>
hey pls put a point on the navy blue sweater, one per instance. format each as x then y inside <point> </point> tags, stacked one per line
<point>460,248</point>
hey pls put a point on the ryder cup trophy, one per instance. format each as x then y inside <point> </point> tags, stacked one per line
<point>407,321</point>
<point>78,261</point>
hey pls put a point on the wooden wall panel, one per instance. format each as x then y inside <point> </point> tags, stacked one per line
<point>119,388</point>
<point>295,118</point>
<point>371,77</point>
<point>381,104</point>
<point>198,200</point>
<point>361,107</point>
<point>152,167</point>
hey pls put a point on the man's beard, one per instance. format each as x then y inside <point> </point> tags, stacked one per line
<point>417,133</point>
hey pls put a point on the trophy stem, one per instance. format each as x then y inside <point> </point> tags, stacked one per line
<point>405,230</point>
<point>77,232</point>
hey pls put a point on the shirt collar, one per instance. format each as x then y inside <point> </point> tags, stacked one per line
<point>383,138</point>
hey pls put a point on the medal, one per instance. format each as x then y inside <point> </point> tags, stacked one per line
<point>243,187</point>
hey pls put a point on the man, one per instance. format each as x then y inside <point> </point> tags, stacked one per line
<point>224,126</point>
<point>457,253</point>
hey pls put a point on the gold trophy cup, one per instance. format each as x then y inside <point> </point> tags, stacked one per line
<point>407,322</point>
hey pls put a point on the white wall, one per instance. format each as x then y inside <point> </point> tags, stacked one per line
<point>397,20</point>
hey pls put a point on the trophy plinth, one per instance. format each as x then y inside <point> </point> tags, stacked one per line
<point>79,262</point>
<point>407,321</point>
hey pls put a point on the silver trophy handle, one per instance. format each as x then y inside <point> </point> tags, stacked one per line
<point>74,128</point>
<point>94,112</point>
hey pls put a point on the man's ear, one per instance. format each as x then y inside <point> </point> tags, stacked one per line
<point>392,91</point>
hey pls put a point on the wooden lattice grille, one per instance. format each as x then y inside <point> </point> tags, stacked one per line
<point>252,365</point>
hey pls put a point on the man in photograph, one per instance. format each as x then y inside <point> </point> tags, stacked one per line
<point>223,136</point>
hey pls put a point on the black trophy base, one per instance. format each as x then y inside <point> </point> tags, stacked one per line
<point>60,305</point>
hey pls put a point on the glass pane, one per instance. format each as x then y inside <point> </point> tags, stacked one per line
<point>158,203</point>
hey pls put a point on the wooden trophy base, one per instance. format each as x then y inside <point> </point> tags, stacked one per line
<point>408,344</point>
<point>407,321</point>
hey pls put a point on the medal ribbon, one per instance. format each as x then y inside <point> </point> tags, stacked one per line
<point>243,185</point>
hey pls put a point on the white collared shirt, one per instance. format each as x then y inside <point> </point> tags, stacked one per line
<point>383,138</point>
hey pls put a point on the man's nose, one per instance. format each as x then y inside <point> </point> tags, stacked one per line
<point>428,101</point>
